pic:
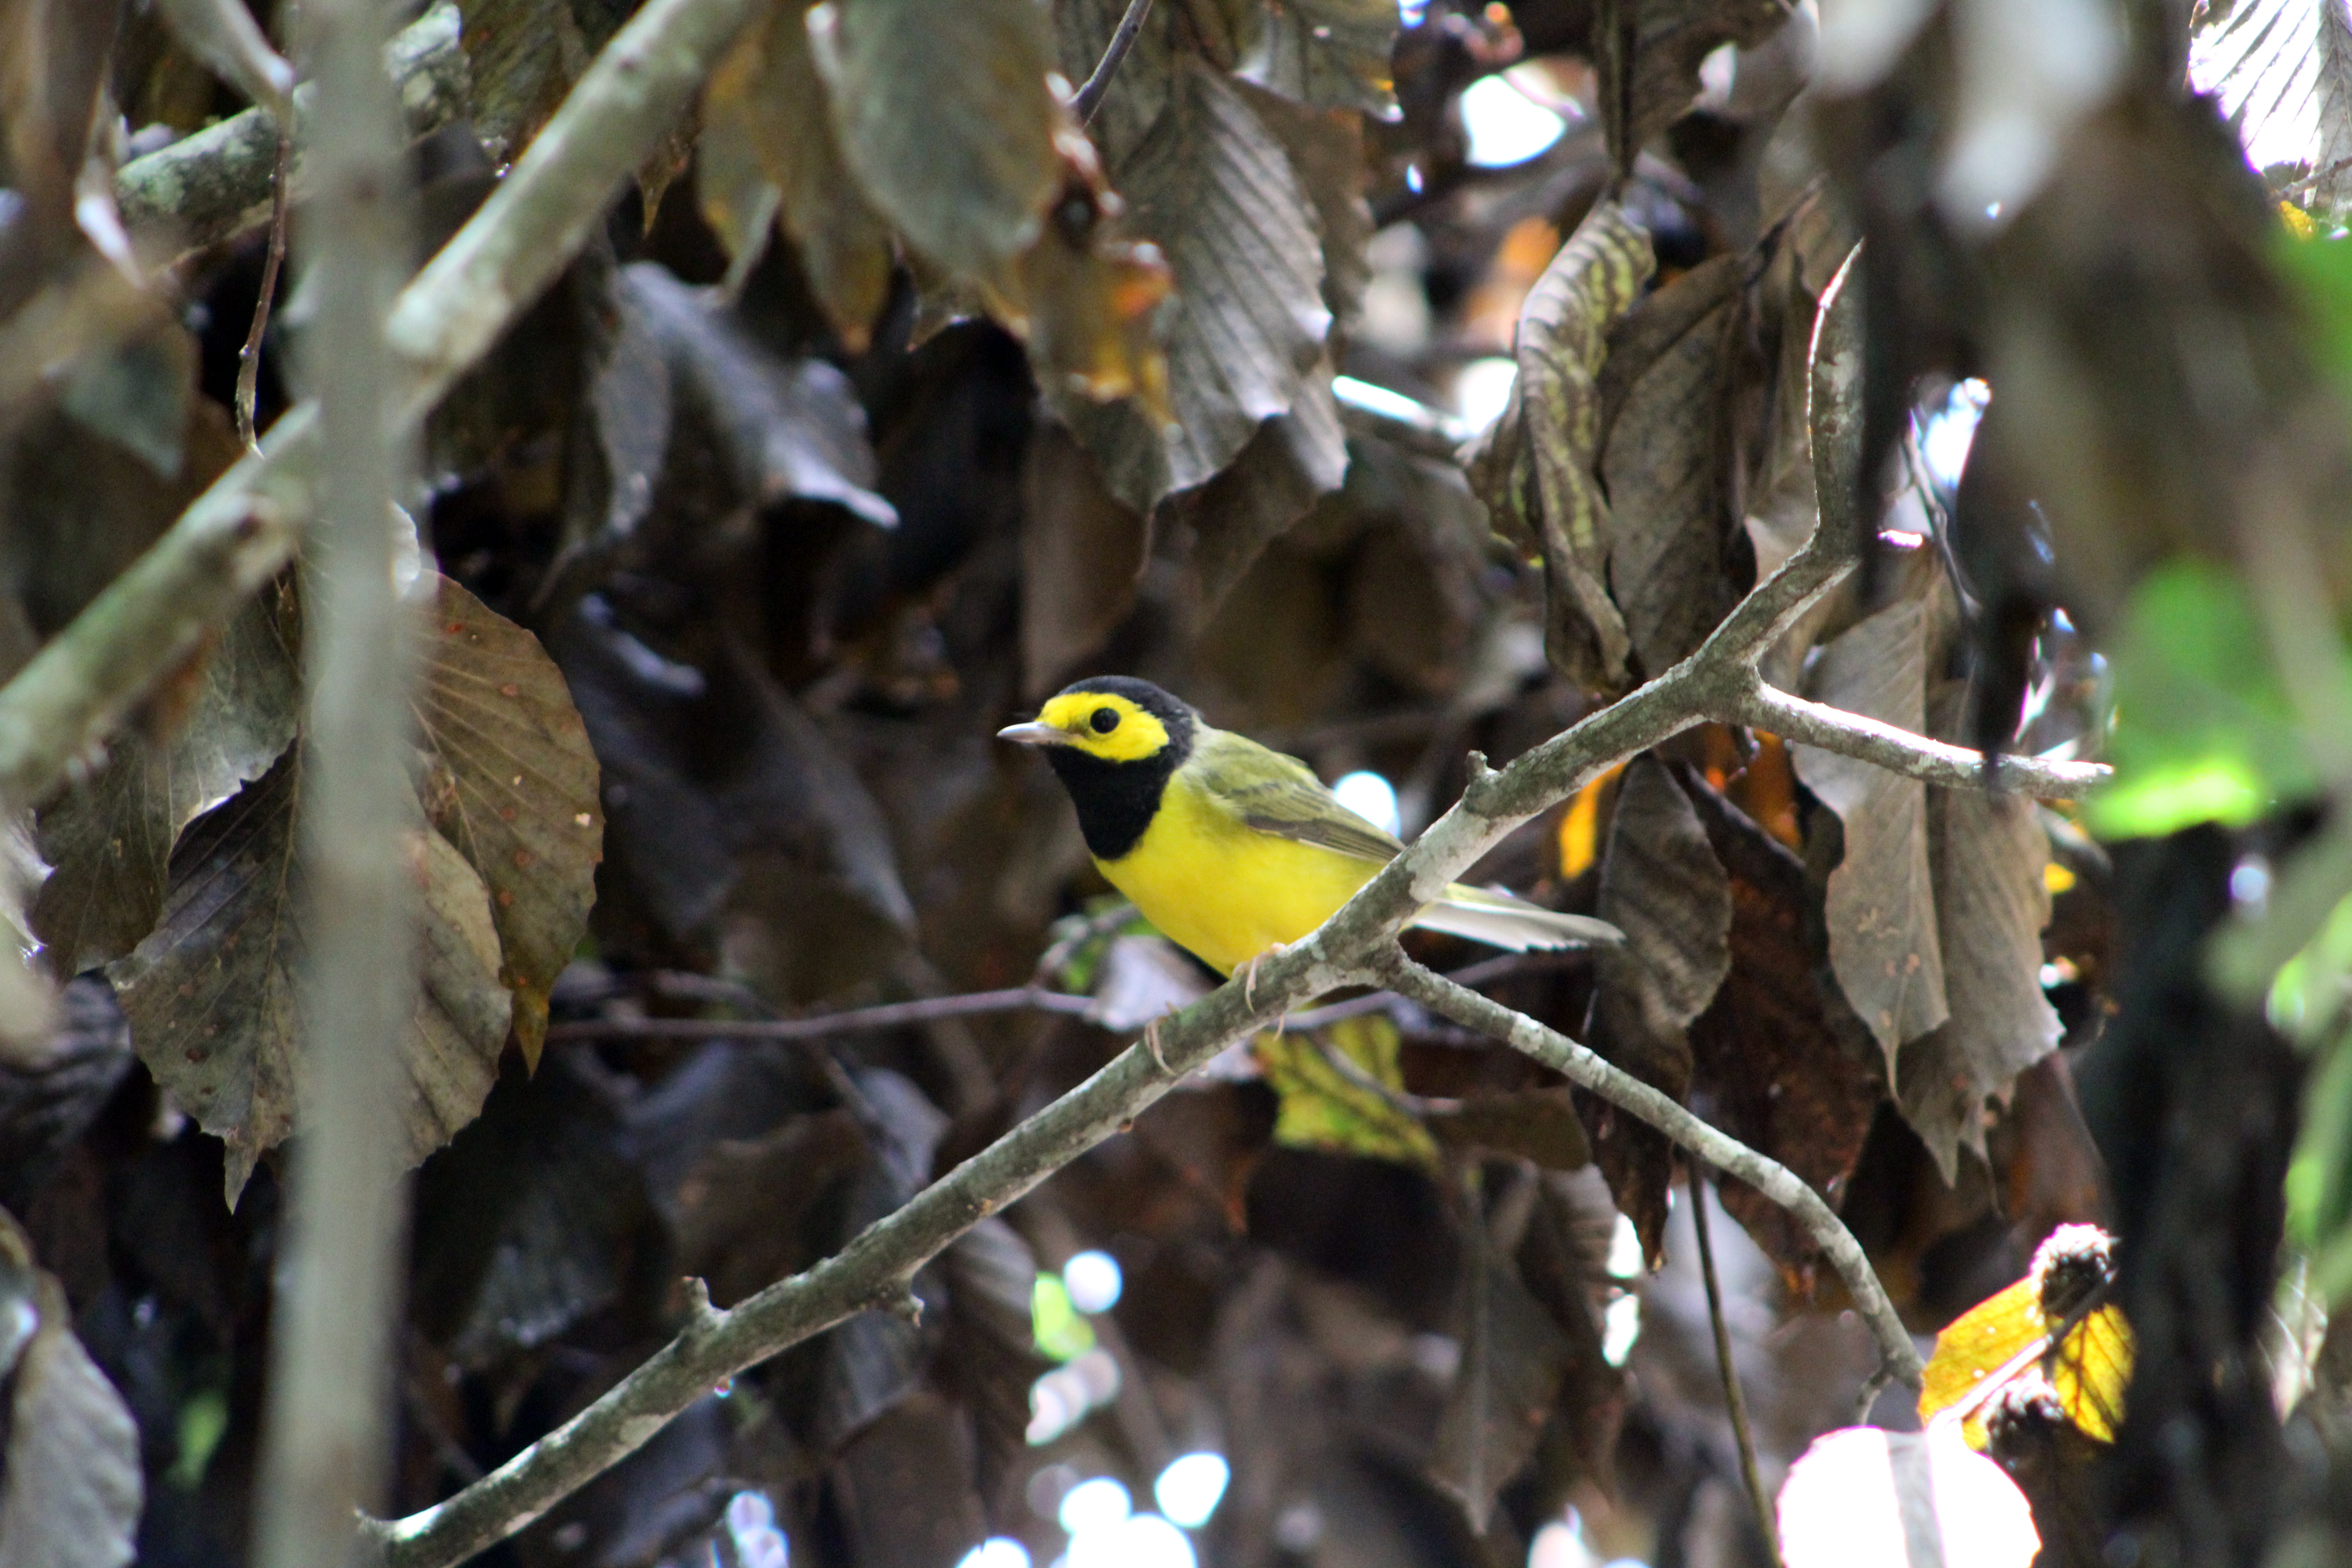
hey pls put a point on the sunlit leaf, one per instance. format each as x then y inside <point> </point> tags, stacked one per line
<point>1580,826</point>
<point>1059,1329</point>
<point>1854,1499</point>
<point>2282,70</point>
<point>2008,1335</point>
<point>2203,729</point>
<point>1348,1112</point>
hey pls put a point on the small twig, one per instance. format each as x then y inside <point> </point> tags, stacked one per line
<point>1734,1400</point>
<point>1122,39</point>
<point>249,358</point>
<point>1901,752</point>
<point>850,1021</point>
<point>1032,998</point>
<point>1717,1147</point>
<point>1404,1102</point>
<point>2296,187</point>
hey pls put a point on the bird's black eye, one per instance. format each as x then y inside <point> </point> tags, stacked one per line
<point>1104,720</point>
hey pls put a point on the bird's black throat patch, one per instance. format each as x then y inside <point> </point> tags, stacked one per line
<point>1116,801</point>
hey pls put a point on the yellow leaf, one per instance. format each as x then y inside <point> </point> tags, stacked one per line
<point>1580,826</point>
<point>2007,1336</point>
<point>1323,1106</point>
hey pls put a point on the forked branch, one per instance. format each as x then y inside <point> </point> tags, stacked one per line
<point>1580,1065</point>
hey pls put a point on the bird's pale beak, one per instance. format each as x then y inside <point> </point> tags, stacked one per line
<point>1034,735</point>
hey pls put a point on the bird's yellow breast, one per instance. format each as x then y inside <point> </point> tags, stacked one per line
<point>1226,891</point>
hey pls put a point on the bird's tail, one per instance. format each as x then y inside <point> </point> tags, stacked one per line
<point>1507,921</point>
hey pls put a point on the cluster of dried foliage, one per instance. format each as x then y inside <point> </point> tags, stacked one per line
<point>907,382</point>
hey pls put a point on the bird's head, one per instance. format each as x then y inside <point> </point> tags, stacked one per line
<point>1113,719</point>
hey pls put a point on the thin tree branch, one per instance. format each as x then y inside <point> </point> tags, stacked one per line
<point>1686,1130</point>
<point>2297,187</point>
<point>1901,752</point>
<point>327,1432</point>
<point>249,358</point>
<point>214,184</point>
<point>1032,998</point>
<point>1122,39</point>
<point>1734,1401</point>
<point>822,1025</point>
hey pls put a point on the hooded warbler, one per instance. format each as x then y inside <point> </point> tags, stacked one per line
<point>1232,849</point>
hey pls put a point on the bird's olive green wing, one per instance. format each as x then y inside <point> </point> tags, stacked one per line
<point>1281,795</point>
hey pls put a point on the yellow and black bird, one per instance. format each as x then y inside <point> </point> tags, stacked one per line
<point>1232,849</point>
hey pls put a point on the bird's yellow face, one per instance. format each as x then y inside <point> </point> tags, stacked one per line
<point>1100,723</point>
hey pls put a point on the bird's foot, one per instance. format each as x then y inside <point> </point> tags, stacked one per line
<point>1152,1043</point>
<point>1249,976</point>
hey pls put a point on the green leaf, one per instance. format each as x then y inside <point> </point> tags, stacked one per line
<point>1324,1107</point>
<point>521,803</point>
<point>2203,730</point>
<point>110,836</point>
<point>1214,188</point>
<point>944,113</point>
<point>211,993</point>
<point>1060,1330</point>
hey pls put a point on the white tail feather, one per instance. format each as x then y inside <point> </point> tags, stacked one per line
<point>1500,920</point>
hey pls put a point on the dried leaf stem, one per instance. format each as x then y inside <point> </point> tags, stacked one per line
<point>1734,1402</point>
<point>249,358</point>
<point>1032,998</point>
<point>1122,38</point>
